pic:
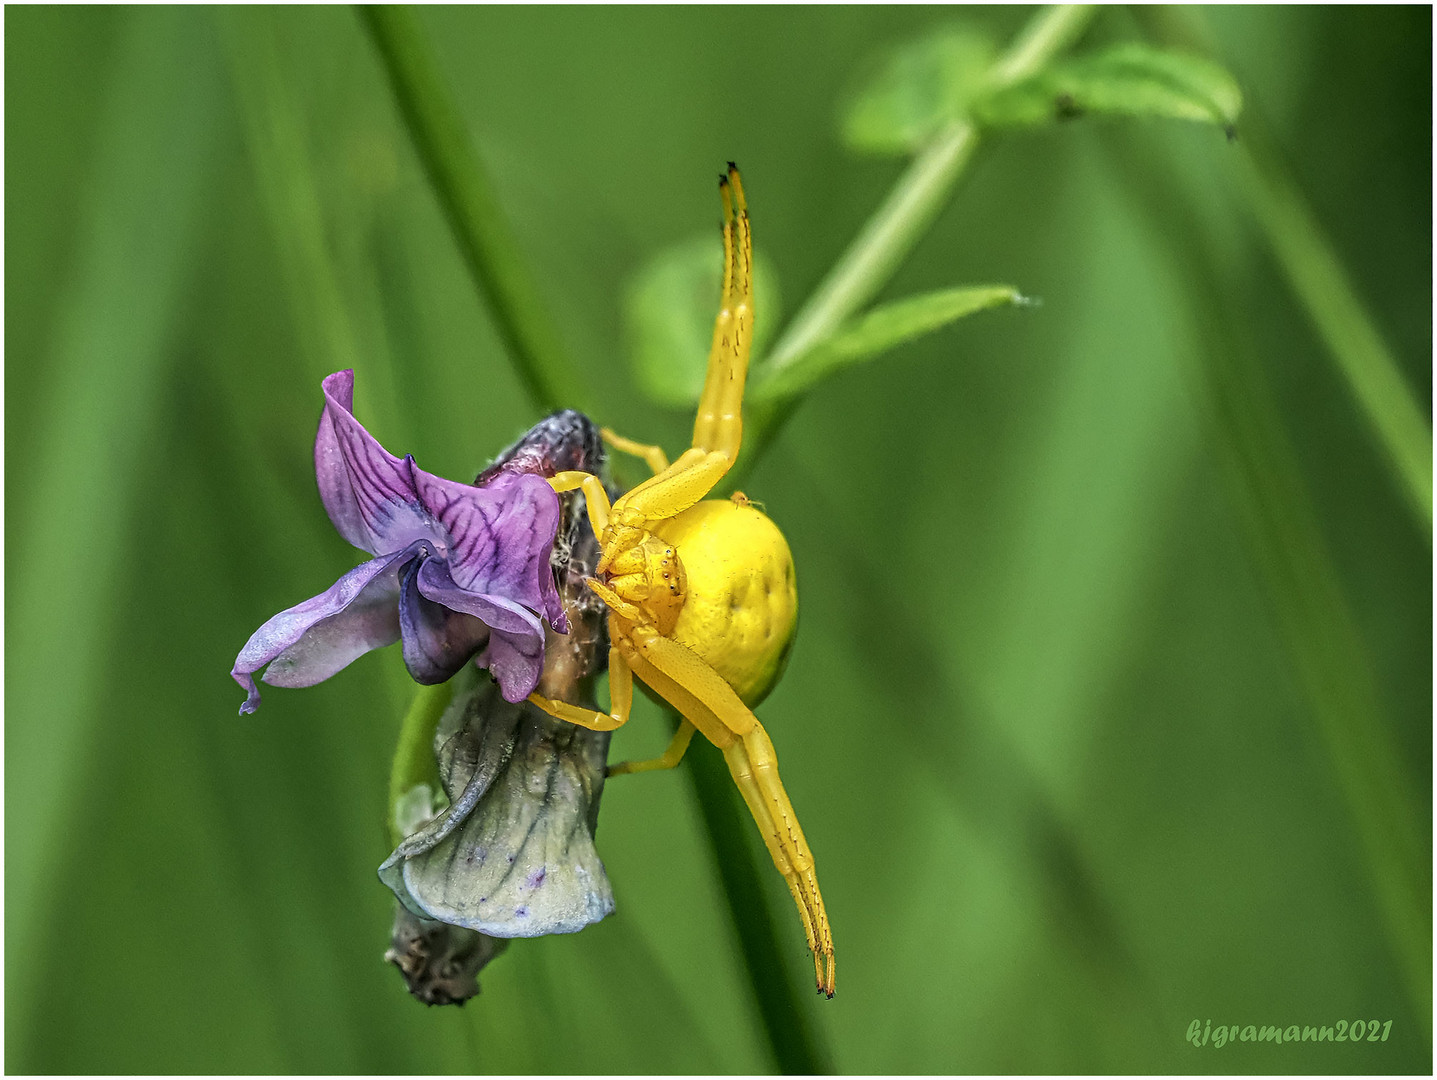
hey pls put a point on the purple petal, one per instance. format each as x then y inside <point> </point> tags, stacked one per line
<point>311,641</point>
<point>517,641</point>
<point>368,492</point>
<point>516,661</point>
<point>438,640</point>
<point>501,537</point>
<point>435,583</point>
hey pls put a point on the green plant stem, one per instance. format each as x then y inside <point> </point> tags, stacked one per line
<point>467,196</point>
<point>414,755</point>
<point>917,198</point>
<point>900,221</point>
<point>1318,280</point>
<point>881,245</point>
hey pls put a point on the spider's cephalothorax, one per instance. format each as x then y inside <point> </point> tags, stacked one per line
<point>701,595</point>
<point>645,572</point>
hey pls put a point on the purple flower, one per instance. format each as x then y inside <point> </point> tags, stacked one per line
<point>458,568</point>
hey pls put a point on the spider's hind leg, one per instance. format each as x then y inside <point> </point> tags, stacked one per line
<point>754,766</point>
<point>678,746</point>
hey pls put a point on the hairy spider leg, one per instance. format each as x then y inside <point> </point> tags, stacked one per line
<point>754,766</point>
<point>678,747</point>
<point>596,499</point>
<point>621,700</point>
<point>703,697</point>
<point>654,455</point>
<point>718,426</point>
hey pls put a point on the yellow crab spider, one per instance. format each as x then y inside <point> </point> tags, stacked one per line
<point>707,631</point>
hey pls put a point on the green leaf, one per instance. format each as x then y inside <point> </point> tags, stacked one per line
<point>1126,80</point>
<point>922,87</point>
<point>669,311</point>
<point>875,333</point>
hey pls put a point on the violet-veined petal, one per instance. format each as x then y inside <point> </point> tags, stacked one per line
<point>501,536</point>
<point>438,640</point>
<point>311,641</point>
<point>368,492</point>
<point>435,583</point>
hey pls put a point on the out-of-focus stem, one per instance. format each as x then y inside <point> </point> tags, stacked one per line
<point>1321,285</point>
<point>414,755</point>
<point>795,1049</point>
<point>467,197</point>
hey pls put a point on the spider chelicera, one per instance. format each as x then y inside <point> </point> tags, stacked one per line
<point>707,631</point>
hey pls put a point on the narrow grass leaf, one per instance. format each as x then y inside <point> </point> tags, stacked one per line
<point>465,192</point>
<point>69,522</point>
<point>875,333</point>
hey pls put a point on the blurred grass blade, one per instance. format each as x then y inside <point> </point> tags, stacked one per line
<point>924,86</point>
<point>876,332</point>
<point>467,196</point>
<point>669,310</point>
<point>275,143</point>
<point>1329,656</point>
<point>1321,284</point>
<point>70,520</point>
<point>1126,80</point>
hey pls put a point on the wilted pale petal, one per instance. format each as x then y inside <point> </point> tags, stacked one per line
<point>311,641</point>
<point>513,855</point>
<point>368,492</point>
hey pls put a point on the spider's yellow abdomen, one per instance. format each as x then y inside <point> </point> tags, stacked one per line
<point>741,610</point>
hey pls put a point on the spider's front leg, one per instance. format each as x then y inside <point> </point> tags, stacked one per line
<point>621,700</point>
<point>718,425</point>
<point>719,422</point>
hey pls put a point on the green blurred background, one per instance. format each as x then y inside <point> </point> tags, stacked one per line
<point>1055,743</point>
